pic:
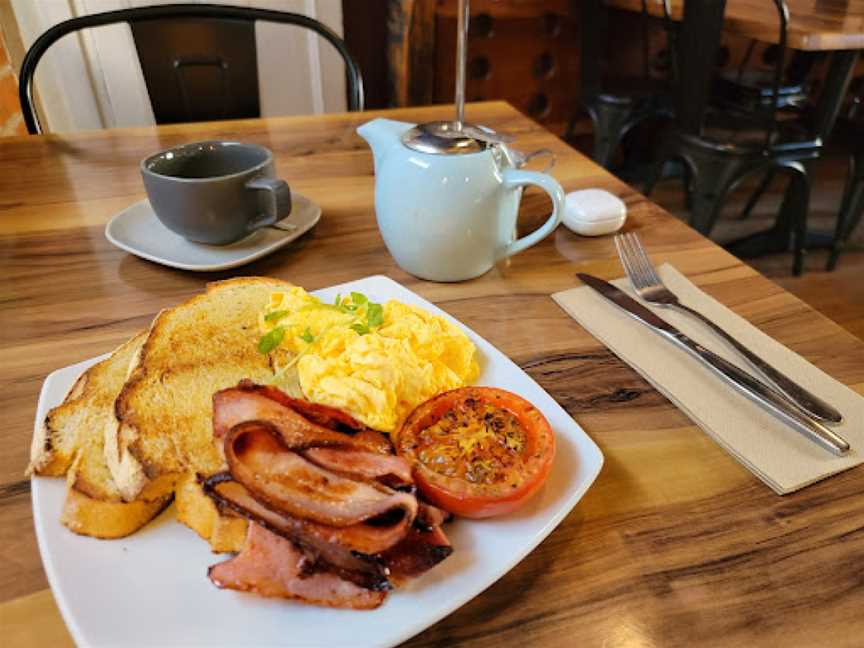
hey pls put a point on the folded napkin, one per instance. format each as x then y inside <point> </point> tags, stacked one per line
<point>779,455</point>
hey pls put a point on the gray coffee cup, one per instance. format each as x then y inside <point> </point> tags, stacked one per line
<point>215,192</point>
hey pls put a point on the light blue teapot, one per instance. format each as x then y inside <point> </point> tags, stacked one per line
<point>447,197</point>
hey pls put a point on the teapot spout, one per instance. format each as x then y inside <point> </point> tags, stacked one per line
<point>382,134</point>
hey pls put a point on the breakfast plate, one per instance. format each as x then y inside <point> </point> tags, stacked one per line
<point>151,588</point>
<point>138,231</point>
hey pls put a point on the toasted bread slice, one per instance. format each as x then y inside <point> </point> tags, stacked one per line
<point>197,511</point>
<point>107,519</point>
<point>71,441</point>
<point>84,411</point>
<point>162,427</point>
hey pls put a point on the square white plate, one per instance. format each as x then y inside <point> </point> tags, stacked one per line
<point>137,230</point>
<point>151,589</point>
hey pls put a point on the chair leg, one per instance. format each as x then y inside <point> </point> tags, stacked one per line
<point>795,207</point>
<point>851,209</point>
<point>760,190</point>
<point>706,199</point>
<point>654,176</point>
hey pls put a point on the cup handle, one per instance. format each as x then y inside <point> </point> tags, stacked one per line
<point>515,178</point>
<point>278,205</point>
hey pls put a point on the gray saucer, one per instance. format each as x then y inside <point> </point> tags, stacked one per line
<point>137,230</point>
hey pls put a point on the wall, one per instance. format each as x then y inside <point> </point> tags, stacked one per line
<point>11,121</point>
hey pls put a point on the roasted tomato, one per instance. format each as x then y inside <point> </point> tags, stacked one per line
<point>477,451</point>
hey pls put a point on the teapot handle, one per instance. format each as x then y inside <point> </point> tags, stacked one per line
<point>513,179</point>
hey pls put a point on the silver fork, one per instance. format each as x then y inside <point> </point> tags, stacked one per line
<point>651,288</point>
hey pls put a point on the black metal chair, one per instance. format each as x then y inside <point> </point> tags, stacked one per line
<point>852,206</point>
<point>617,105</point>
<point>718,154</point>
<point>189,52</point>
<point>749,92</point>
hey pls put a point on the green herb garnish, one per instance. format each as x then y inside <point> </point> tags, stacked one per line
<point>374,314</point>
<point>271,340</point>
<point>366,315</point>
<point>307,336</point>
<point>361,328</point>
<point>275,315</point>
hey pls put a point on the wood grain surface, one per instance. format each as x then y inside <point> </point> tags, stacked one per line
<point>814,25</point>
<point>676,544</point>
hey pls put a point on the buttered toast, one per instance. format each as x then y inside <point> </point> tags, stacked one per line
<point>162,428</point>
<point>70,441</point>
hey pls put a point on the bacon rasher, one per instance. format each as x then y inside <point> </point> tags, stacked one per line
<point>341,504</point>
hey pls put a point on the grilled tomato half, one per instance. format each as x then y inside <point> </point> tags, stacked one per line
<point>477,451</point>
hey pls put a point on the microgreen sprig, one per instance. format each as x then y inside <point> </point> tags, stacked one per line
<point>307,336</point>
<point>271,339</point>
<point>367,315</point>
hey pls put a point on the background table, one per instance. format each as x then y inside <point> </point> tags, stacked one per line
<point>835,26</point>
<point>814,25</point>
<point>675,544</point>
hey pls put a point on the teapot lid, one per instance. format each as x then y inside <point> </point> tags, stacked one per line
<point>451,138</point>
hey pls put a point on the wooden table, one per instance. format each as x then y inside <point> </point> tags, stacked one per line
<point>814,25</point>
<point>676,544</point>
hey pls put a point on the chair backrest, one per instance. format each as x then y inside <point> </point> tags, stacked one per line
<point>595,29</point>
<point>141,19</point>
<point>669,28</point>
<point>699,43</point>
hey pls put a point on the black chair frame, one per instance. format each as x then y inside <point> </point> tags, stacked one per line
<point>851,209</point>
<point>615,114</point>
<point>714,168</point>
<point>176,11</point>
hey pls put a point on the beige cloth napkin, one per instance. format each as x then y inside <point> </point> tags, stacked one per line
<point>779,455</point>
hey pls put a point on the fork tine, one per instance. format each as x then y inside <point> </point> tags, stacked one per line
<point>647,262</point>
<point>620,246</point>
<point>617,240</point>
<point>644,278</point>
<point>627,258</point>
<point>640,279</point>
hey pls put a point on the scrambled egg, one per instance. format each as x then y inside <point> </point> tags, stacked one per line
<point>375,362</point>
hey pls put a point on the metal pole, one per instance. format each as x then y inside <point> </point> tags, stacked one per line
<point>461,54</point>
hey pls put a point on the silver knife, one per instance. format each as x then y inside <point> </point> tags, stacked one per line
<point>753,388</point>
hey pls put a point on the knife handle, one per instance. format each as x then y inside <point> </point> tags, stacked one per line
<point>758,391</point>
<point>810,402</point>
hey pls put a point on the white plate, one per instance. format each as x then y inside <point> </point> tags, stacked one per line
<point>137,230</point>
<point>151,589</point>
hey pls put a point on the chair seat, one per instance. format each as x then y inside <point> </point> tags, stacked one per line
<point>632,90</point>
<point>753,90</point>
<point>746,133</point>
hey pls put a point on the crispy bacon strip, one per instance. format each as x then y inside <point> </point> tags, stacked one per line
<point>417,553</point>
<point>429,516</point>
<point>348,549</point>
<point>253,403</point>
<point>358,464</point>
<point>323,415</point>
<point>284,481</point>
<point>271,566</point>
<point>318,489</point>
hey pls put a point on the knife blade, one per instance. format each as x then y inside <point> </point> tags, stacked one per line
<point>768,397</point>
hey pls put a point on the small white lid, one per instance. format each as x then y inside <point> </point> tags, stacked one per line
<point>593,212</point>
<point>594,206</point>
